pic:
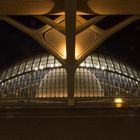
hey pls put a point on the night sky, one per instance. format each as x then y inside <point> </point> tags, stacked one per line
<point>123,45</point>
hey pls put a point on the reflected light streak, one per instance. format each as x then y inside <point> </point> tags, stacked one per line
<point>118,105</point>
<point>78,51</point>
<point>63,51</point>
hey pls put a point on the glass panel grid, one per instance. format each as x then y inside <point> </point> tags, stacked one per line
<point>117,66</point>
<point>92,79</point>
<point>96,63</point>
<point>110,64</point>
<point>103,63</point>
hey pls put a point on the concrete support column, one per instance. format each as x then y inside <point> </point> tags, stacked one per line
<point>70,25</point>
<point>70,85</point>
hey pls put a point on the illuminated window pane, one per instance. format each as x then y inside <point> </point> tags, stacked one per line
<point>29,65</point>
<point>117,66</point>
<point>96,61</point>
<point>57,63</point>
<point>130,71</point>
<point>88,62</point>
<point>9,72</point>
<point>50,63</point>
<point>15,70</point>
<point>103,63</point>
<point>22,67</point>
<point>36,63</point>
<point>124,70</point>
<point>43,62</point>
<point>83,64</point>
<point>136,74</point>
<point>110,64</point>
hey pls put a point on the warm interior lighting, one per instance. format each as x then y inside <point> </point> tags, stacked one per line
<point>41,67</point>
<point>119,105</point>
<point>62,50</point>
<point>77,51</point>
<point>118,100</point>
<point>36,68</point>
<point>97,66</point>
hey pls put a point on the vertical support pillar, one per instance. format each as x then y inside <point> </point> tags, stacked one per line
<point>70,25</point>
<point>70,85</point>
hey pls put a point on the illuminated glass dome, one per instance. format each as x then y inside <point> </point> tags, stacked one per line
<point>42,76</point>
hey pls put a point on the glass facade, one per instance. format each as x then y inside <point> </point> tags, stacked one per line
<point>42,76</point>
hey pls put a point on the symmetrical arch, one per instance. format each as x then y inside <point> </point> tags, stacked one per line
<point>42,77</point>
<point>71,38</point>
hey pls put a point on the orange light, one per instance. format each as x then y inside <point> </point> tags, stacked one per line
<point>118,105</point>
<point>62,51</point>
<point>118,102</point>
<point>77,51</point>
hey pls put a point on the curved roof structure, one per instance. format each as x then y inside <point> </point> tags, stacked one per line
<point>71,38</point>
<point>44,77</point>
<point>68,91</point>
<point>33,7</point>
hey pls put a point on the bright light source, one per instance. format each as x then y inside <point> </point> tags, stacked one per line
<point>51,65</point>
<point>87,65</point>
<point>102,67</point>
<point>97,66</point>
<point>36,68</point>
<point>82,64</point>
<point>118,100</point>
<point>41,67</point>
<point>57,64</point>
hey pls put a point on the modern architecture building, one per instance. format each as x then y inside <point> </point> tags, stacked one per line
<point>70,79</point>
<point>43,77</point>
<point>70,37</point>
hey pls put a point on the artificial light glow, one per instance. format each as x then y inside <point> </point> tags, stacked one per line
<point>41,67</point>
<point>82,64</point>
<point>41,95</point>
<point>88,65</point>
<point>57,64</point>
<point>51,65</point>
<point>102,67</point>
<point>62,50</point>
<point>36,68</point>
<point>118,105</point>
<point>118,100</point>
<point>77,51</point>
<point>97,66</point>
